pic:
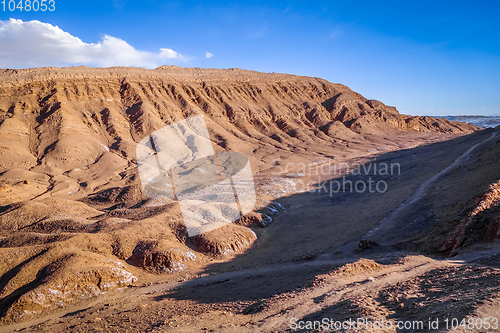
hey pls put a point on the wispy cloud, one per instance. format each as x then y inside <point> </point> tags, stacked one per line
<point>209,55</point>
<point>259,33</point>
<point>38,44</point>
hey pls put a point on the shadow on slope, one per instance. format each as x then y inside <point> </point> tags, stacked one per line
<point>315,223</point>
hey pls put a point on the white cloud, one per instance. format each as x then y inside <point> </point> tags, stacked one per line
<point>169,53</point>
<point>209,55</point>
<point>38,44</point>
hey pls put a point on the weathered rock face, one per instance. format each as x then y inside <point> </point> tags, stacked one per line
<point>72,212</point>
<point>253,219</point>
<point>227,240</point>
<point>48,216</point>
<point>58,287</point>
<point>364,116</point>
<point>80,125</point>
<point>481,224</point>
<point>70,132</point>
<point>162,256</point>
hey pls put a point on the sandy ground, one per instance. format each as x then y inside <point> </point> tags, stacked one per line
<point>304,268</point>
<point>84,250</point>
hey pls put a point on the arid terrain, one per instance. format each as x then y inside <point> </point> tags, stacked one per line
<point>361,212</point>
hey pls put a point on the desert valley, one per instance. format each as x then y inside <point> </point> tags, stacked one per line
<point>362,213</point>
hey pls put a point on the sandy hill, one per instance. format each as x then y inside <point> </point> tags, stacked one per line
<point>74,130</point>
<point>74,223</point>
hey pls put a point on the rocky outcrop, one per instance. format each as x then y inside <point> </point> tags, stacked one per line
<point>57,292</point>
<point>224,241</point>
<point>161,256</point>
<point>482,224</point>
<point>371,116</point>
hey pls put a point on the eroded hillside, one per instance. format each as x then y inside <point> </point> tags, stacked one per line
<point>74,222</point>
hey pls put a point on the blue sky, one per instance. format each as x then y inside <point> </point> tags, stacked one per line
<point>424,57</point>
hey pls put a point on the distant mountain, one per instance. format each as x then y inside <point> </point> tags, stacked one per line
<point>481,121</point>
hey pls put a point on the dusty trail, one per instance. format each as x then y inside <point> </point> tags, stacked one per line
<point>381,233</point>
<point>354,287</point>
<point>304,303</point>
<point>274,319</point>
<point>384,232</point>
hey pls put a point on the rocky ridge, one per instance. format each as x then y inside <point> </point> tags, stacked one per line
<point>72,211</point>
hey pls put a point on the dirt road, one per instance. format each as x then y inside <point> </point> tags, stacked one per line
<point>300,270</point>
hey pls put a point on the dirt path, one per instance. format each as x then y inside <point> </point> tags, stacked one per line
<point>277,311</point>
<point>284,289</point>
<point>355,286</point>
<point>384,233</point>
<point>339,296</point>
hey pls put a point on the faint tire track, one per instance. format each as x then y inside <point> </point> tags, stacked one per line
<point>381,232</point>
